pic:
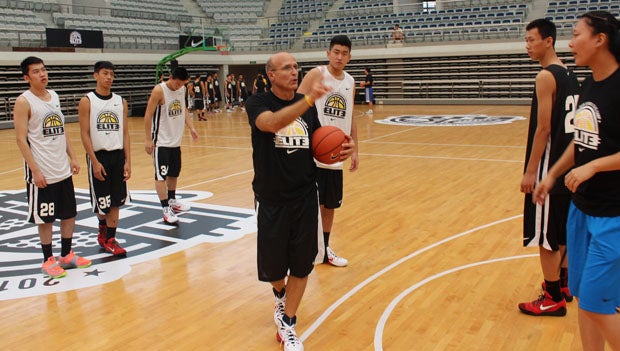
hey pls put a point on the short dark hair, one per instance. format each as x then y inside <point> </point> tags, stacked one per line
<point>367,69</point>
<point>30,60</point>
<point>180,73</point>
<point>99,65</point>
<point>340,39</point>
<point>545,27</point>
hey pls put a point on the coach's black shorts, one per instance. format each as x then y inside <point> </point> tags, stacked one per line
<point>112,191</point>
<point>330,187</point>
<point>545,225</point>
<point>55,201</point>
<point>287,238</point>
<point>167,162</point>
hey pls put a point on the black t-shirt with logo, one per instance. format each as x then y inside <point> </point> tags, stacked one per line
<point>597,134</point>
<point>284,169</point>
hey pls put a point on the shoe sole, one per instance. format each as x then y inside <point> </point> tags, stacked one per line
<point>45,274</point>
<point>121,254</point>
<point>75,266</point>
<point>558,313</point>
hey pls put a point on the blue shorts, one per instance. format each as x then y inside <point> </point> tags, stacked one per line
<point>368,92</point>
<point>593,246</point>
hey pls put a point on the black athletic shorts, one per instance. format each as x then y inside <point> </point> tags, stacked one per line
<point>330,187</point>
<point>167,162</point>
<point>545,225</point>
<point>55,201</point>
<point>112,191</point>
<point>287,238</point>
<point>199,104</point>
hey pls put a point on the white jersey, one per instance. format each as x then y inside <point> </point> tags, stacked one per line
<point>169,118</point>
<point>106,122</point>
<point>336,107</point>
<point>46,137</point>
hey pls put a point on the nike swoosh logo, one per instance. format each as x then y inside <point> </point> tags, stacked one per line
<point>196,44</point>
<point>544,308</point>
<point>580,149</point>
<point>290,151</point>
<point>333,157</point>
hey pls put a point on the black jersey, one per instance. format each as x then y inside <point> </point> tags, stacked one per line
<point>562,112</point>
<point>197,88</point>
<point>261,85</point>
<point>284,169</point>
<point>368,81</point>
<point>597,134</point>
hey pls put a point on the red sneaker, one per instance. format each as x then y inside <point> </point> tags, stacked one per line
<point>102,235</point>
<point>544,306</point>
<point>112,246</point>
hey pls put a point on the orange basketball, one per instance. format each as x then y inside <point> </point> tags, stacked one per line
<point>327,143</point>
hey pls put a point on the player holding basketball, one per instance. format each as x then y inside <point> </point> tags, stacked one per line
<point>164,119</point>
<point>284,185</point>
<point>550,131</point>
<point>49,165</point>
<point>335,109</point>
<point>105,136</point>
<point>593,226</point>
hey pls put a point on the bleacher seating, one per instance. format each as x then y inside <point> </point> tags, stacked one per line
<point>21,28</point>
<point>565,12</point>
<point>468,23</point>
<point>165,10</point>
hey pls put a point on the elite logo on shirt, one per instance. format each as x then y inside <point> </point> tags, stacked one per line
<point>52,125</point>
<point>586,123</point>
<point>175,109</point>
<point>293,136</point>
<point>335,106</point>
<point>107,121</point>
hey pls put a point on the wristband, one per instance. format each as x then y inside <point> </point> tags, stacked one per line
<point>309,100</point>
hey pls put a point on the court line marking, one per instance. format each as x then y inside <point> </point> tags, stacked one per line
<point>456,145</point>
<point>444,158</point>
<point>317,323</point>
<point>378,342</point>
<point>12,170</point>
<point>217,179</point>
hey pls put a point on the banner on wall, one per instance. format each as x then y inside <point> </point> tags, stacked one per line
<point>75,38</point>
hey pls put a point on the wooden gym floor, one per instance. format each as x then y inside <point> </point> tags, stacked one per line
<point>431,225</point>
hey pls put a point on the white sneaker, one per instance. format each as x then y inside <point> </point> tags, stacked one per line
<point>335,260</point>
<point>169,215</point>
<point>178,206</point>
<point>278,309</point>
<point>369,112</point>
<point>288,336</point>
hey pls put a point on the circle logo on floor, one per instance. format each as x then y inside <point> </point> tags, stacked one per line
<point>142,232</point>
<point>448,120</point>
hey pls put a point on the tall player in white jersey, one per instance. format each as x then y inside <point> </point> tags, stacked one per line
<point>336,109</point>
<point>105,136</point>
<point>49,165</point>
<point>164,119</point>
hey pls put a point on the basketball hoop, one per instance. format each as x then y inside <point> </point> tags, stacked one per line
<point>223,49</point>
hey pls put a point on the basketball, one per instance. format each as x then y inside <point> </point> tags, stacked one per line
<point>327,143</point>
